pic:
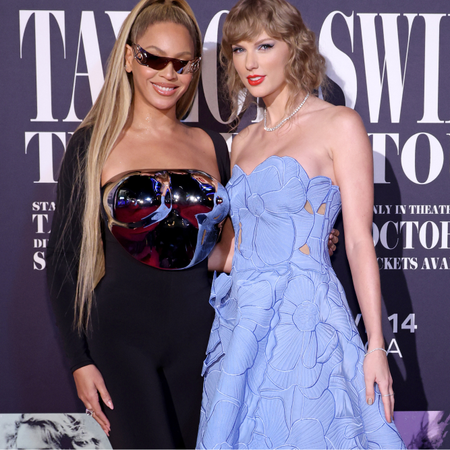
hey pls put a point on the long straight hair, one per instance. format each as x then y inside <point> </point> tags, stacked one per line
<point>107,119</point>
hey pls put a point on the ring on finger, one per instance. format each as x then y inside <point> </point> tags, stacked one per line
<point>90,412</point>
<point>388,395</point>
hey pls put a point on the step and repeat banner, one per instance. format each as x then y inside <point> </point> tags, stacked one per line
<point>389,60</point>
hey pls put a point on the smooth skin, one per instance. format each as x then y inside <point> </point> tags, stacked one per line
<point>153,138</point>
<point>327,141</point>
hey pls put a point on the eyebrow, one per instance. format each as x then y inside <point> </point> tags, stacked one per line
<point>256,43</point>
<point>186,53</point>
<point>264,39</point>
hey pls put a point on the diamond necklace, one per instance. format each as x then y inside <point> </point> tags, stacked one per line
<point>296,110</point>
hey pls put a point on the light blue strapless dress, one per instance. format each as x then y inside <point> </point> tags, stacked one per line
<point>284,365</point>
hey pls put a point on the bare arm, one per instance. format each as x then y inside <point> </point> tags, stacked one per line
<point>353,167</point>
<point>222,255</point>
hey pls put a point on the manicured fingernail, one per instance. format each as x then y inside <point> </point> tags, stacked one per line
<point>370,401</point>
<point>110,404</point>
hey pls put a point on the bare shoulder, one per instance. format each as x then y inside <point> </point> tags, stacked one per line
<point>347,135</point>
<point>240,141</point>
<point>343,119</point>
<point>341,127</point>
<point>200,135</point>
<point>199,140</point>
<point>246,134</point>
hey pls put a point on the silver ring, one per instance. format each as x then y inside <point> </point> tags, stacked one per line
<point>388,395</point>
<point>89,412</point>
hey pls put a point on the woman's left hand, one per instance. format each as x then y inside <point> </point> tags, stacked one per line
<point>376,370</point>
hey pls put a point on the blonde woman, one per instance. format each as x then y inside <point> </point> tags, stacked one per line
<point>285,365</point>
<point>136,334</point>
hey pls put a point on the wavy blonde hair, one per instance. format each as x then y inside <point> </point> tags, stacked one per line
<point>107,119</point>
<point>305,70</point>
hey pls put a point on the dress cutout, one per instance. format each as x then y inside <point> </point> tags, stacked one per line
<point>284,365</point>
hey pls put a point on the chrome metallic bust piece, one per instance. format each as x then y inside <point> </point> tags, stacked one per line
<point>169,219</point>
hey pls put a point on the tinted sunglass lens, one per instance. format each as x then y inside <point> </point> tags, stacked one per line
<point>159,63</point>
<point>179,65</point>
<point>155,62</point>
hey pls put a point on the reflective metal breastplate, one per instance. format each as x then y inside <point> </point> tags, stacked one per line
<point>169,219</point>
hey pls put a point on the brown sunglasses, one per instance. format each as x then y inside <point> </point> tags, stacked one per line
<point>180,66</point>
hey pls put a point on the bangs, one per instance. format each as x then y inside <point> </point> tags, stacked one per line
<point>243,28</point>
<point>248,20</point>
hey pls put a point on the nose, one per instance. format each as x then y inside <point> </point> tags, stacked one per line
<point>169,72</point>
<point>251,61</point>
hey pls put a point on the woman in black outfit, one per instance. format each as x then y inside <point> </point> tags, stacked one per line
<point>134,333</point>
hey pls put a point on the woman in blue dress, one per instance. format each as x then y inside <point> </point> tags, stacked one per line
<point>285,365</point>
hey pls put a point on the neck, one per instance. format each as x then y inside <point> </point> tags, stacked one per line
<point>276,106</point>
<point>148,119</point>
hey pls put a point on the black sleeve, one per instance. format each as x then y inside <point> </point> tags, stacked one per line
<point>222,155</point>
<point>63,249</point>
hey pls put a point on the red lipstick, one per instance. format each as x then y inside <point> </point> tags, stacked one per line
<point>254,80</point>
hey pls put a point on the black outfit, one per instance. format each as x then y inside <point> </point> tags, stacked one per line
<point>150,327</point>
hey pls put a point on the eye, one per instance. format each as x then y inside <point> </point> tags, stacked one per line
<point>237,49</point>
<point>265,46</point>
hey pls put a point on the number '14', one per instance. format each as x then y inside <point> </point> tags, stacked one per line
<point>408,324</point>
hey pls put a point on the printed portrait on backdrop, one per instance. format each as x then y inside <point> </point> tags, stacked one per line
<point>50,431</point>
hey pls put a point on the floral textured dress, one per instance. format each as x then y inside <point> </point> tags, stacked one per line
<point>284,359</point>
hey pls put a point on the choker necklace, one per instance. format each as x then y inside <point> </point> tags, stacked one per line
<point>296,110</point>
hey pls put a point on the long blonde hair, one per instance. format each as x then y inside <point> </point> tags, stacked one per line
<point>305,70</point>
<point>107,119</point>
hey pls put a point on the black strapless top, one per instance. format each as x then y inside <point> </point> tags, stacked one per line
<point>169,219</point>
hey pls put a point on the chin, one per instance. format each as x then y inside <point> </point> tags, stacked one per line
<point>258,91</point>
<point>164,104</point>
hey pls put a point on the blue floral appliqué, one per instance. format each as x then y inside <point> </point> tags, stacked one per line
<point>263,216</point>
<point>284,360</point>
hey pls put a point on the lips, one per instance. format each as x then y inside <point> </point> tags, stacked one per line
<point>164,89</point>
<point>254,80</point>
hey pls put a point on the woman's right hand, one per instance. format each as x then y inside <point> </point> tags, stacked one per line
<point>89,383</point>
